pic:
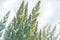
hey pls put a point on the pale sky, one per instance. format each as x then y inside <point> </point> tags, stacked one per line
<point>49,11</point>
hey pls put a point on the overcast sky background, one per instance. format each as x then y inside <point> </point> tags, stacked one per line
<point>49,10</point>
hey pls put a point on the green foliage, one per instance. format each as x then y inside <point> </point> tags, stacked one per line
<point>3,23</point>
<point>24,27</point>
<point>48,34</point>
